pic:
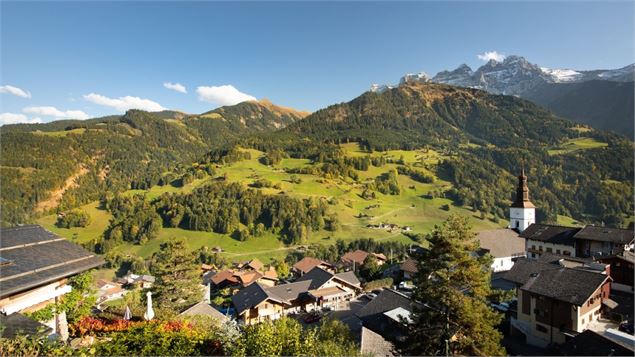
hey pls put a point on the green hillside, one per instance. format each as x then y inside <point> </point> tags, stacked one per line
<point>410,208</point>
<point>71,162</point>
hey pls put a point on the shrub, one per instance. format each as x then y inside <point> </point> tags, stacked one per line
<point>73,218</point>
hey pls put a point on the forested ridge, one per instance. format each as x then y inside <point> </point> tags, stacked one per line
<point>115,153</point>
<point>484,139</point>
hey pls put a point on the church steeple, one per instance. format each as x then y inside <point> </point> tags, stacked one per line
<point>522,213</point>
<point>522,192</point>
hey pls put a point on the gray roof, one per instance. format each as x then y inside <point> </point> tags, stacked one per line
<point>249,297</point>
<point>590,343</point>
<point>37,257</point>
<point>349,277</point>
<point>289,292</point>
<point>573,286</point>
<point>317,276</point>
<point>374,344</point>
<point>501,243</point>
<point>373,317</point>
<point>524,268</point>
<point>255,294</point>
<point>204,309</point>
<point>551,234</point>
<point>604,234</point>
<point>19,325</point>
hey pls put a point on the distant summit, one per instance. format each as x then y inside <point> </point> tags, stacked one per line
<point>565,91</point>
<point>514,76</point>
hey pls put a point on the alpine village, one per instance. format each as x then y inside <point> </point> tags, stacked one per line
<point>481,212</point>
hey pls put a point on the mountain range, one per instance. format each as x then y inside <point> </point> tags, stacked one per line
<point>578,171</point>
<point>564,91</point>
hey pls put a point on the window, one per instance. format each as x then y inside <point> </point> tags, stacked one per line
<point>540,248</point>
<point>548,250</point>
<point>583,321</point>
<point>533,247</point>
<point>557,251</point>
<point>541,328</point>
<point>566,252</point>
<point>533,255</point>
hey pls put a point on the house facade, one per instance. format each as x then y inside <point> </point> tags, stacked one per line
<point>314,290</point>
<point>555,303</point>
<point>35,266</point>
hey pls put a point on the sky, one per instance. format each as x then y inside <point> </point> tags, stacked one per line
<point>92,58</point>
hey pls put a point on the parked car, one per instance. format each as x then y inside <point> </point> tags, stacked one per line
<point>405,285</point>
<point>502,307</point>
<point>371,296</point>
<point>377,291</point>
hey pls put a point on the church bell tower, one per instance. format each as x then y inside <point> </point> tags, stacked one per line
<point>522,212</point>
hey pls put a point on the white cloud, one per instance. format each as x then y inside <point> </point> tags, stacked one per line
<point>15,91</point>
<point>124,103</point>
<point>175,86</point>
<point>491,55</point>
<point>12,118</point>
<point>222,95</point>
<point>54,112</point>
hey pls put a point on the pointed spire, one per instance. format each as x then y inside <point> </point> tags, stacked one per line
<point>522,192</point>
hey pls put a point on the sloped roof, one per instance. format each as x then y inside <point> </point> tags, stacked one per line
<point>409,265</point>
<point>524,268</point>
<point>34,257</point>
<point>256,264</point>
<point>590,343</point>
<point>204,309</point>
<point>605,234</point>
<point>271,273</point>
<point>307,263</point>
<point>17,324</point>
<point>357,256</point>
<point>248,277</point>
<point>373,314</point>
<point>573,286</point>
<point>348,277</point>
<point>501,243</point>
<point>249,297</point>
<point>374,344</point>
<point>288,292</point>
<point>223,275</point>
<point>551,233</point>
<point>317,276</point>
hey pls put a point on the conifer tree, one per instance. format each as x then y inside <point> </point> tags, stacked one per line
<point>453,285</point>
<point>177,276</point>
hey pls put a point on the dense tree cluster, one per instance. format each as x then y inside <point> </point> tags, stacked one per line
<point>227,207</point>
<point>73,218</point>
<point>134,220</point>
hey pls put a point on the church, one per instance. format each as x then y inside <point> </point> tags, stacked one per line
<point>505,245</point>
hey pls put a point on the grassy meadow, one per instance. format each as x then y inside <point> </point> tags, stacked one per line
<point>409,208</point>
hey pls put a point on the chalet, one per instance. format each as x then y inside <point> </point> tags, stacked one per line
<point>307,264</point>
<point>556,302</point>
<point>622,270</point>
<point>109,290</point>
<point>602,241</point>
<point>318,288</point>
<point>408,268</point>
<point>547,238</point>
<point>357,258</point>
<point>229,278</point>
<point>504,245</point>
<point>224,278</point>
<point>137,281</point>
<point>35,265</point>
<point>384,316</point>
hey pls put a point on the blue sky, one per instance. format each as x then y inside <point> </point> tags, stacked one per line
<point>86,59</point>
